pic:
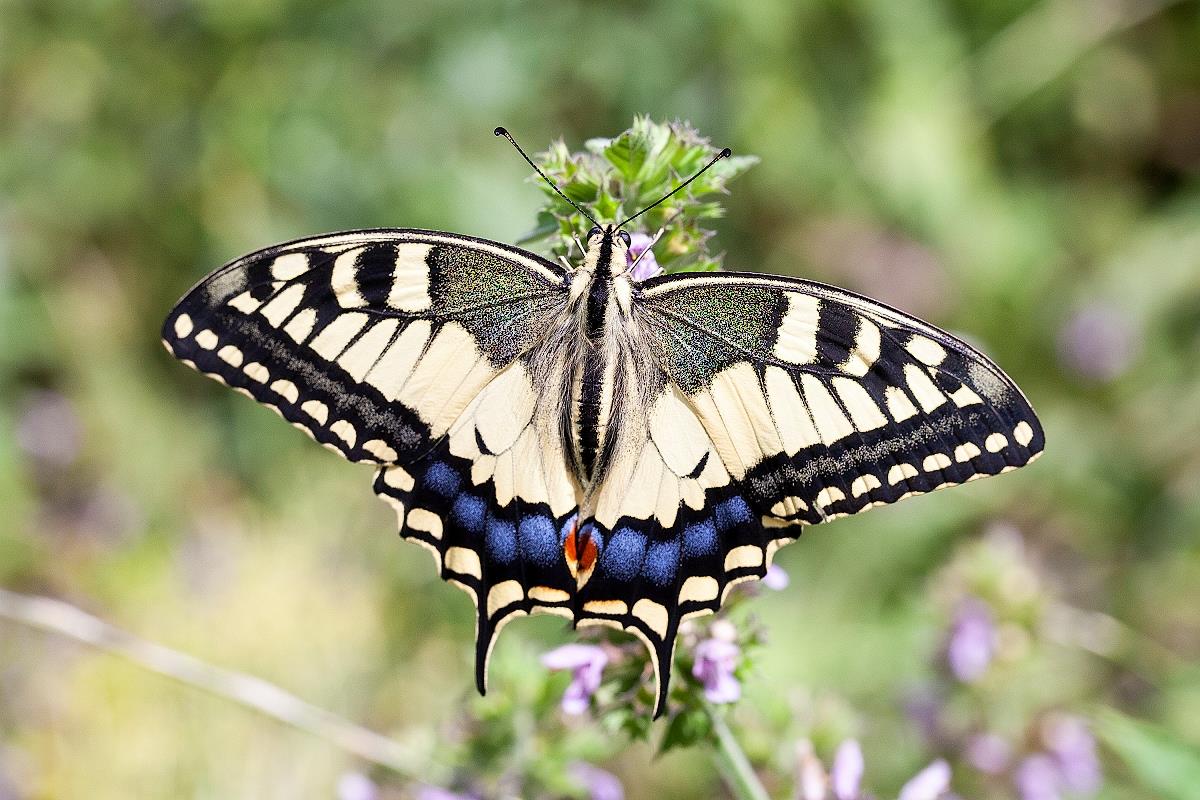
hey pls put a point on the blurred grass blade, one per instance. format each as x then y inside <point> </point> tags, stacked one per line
<point>1163,763</point>
<point>56,616</point>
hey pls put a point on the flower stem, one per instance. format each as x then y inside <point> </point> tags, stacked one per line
<point>732,762</point>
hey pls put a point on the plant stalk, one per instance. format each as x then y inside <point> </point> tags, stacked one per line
<point>732,762</point>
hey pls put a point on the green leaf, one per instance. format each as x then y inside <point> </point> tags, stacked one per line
<point>688,727</point>
<point>1162,762</point>
<point>546,225</point>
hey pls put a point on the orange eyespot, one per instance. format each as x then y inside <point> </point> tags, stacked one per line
<point>580,551</point>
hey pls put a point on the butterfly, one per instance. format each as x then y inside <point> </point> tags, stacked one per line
<point>567,440</point>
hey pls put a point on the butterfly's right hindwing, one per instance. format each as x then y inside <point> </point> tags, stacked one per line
<point>374,341</point>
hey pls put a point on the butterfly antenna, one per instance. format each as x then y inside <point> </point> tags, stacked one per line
<point>723,154</point>
<point>504,132</point>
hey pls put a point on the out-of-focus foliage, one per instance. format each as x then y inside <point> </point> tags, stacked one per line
<point>1025,173</point>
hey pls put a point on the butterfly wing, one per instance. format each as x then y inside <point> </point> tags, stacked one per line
<point>404,348</point>
<point>824,403</point>
<point>783,402</point>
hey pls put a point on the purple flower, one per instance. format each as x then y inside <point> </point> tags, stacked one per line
<point>1037,778</point>
<point>356,786</point>
<point>1071,745</point>
<point>928,784</point>
<point>716,659</point>
<point>648,267</point>
<point>972,640</point>
<point>988,753</point>
<point>48,429</point>
<point>586,662</point>
<point>600,784</point>
<point>811,780</point>
<point>1099,341</point>
<point>776,578</point>
<point>847,772</point>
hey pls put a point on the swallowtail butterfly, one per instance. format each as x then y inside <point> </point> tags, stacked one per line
<point>567,440</point>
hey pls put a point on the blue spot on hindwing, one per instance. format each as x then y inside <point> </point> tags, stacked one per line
<point>731,513</point>
<point>538,540</point>
<point>442,479</point>
<point>622,558</point>
<point>662,561</point>
<point>700,539</point>
<point>501,540</point>
<point>469,512</point>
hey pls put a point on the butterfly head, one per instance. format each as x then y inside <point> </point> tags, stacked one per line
<point>607,247</point>
<point>599,234</point>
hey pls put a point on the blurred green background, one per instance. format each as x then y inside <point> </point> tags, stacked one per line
<point>1024,173</point>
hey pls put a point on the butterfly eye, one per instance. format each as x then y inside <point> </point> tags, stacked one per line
<point>625,238</point>
<point>595,231</point>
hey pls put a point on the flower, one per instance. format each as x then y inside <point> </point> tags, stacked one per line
<point>586,662</point>
<point>1071,745</point>
<point>776,578</point>
<point>846,774</point>
<point>715,662</point>
<point>1037,778</point>
<point>49,430</point>
<point>356,786</point>
<point>647,267</point>
<point>988,753</point>
<point>600,784</point>
<point>972,640</point>
<point>928,784</point>
<point>811,780</point>
<point>1098,342</point>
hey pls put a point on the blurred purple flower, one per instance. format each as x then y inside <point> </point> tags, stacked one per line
<point>776,578</point>
<point>928,784</point>
<point>811,781</point>
<point>847,772</point>
<point>600,784</point>
<point>356,786</point>
<point>716,659</point>
<point>1073,749</point>
<point>1037,778</point>
<point>48,429</point>
<point>1099,341</point>
<point>972,640</point>
<point>648,267</point>
<point>586,662</point>
<point>988,753</point>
